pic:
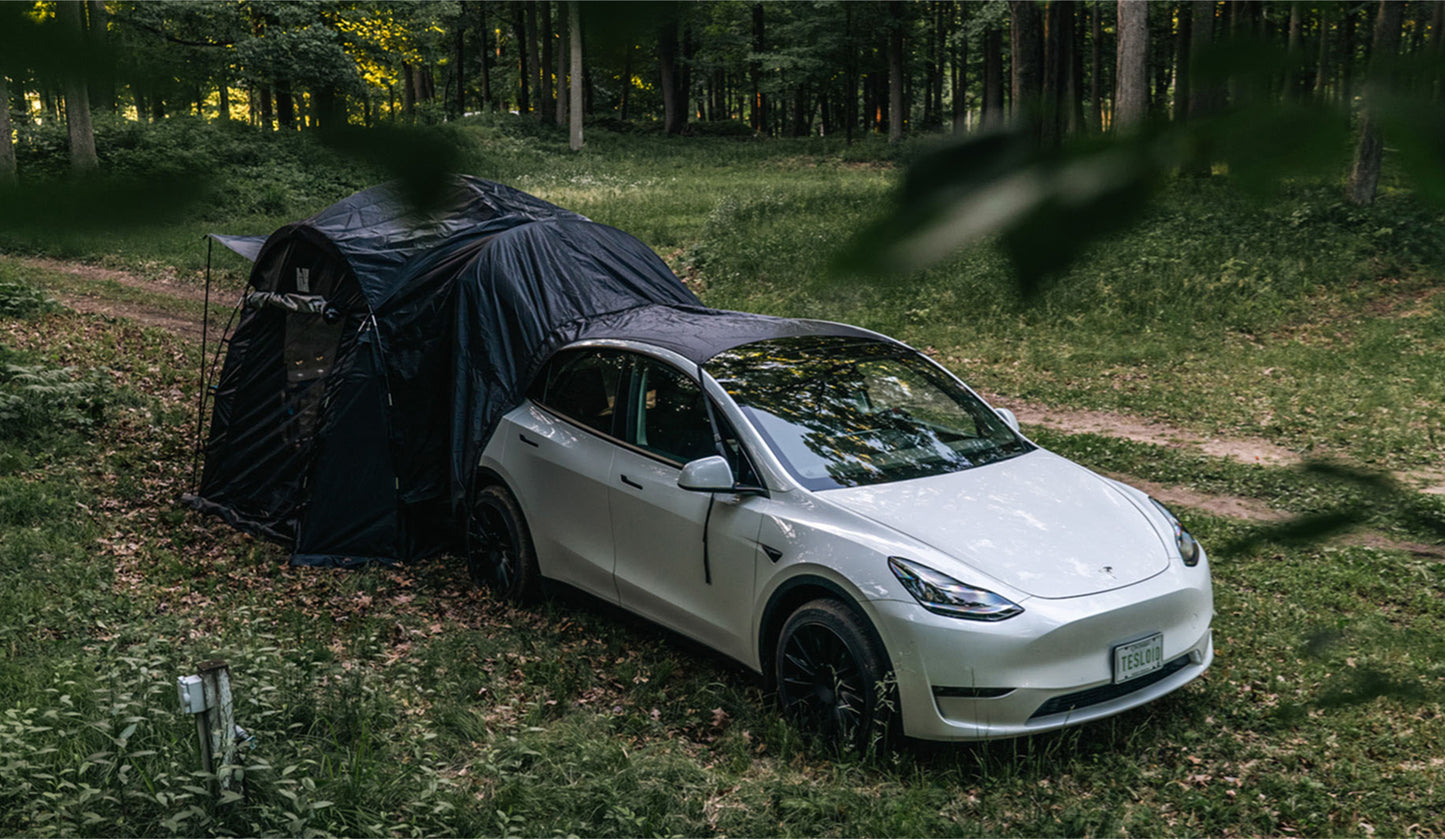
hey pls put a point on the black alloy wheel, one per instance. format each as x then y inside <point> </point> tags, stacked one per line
<point>833,682</point>
<point>499,548</point>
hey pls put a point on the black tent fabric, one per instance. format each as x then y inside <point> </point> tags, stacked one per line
<point>377,350</point>
<point>332,427</point>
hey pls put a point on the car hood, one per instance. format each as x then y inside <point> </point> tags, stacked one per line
<point>1037,522</point>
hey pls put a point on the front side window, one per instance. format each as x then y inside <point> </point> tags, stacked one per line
<point>669,417</point>
<point>582,385</point>
<point>843,412</point>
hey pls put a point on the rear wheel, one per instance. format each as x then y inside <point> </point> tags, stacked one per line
<point>499,548</point>
<point>833,679</point>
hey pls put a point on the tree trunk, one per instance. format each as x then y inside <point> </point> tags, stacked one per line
<point>102,83</point>
<point>1203,99</point>
<point>850,77</point>
<point>574,37</point>
<point>531,74</point>
<point>684,69</point>
<point>1183,45</point>
<point>991,116</point>
<point>71,15</point>
<point>408,89</point>
<point>546,103</point>
<point>1295,57</point>
<point>755,73</point>
<point>564,40</point>
<point>486,30</point>
<point>895,71</point>
<point>285,106</point>
<point>266,110</point>
<point>1365,173</point>
<point>524,66</point>
<point>1096,68</point>
<point>674,113</point>
<point>223,110</point>
<point>461,72</point>
<point>959,62</point>
<point>7,148</point>
<point>1058,58</point>
<point>1131,100</point>
<point>1322,58</point>
<point>1026,47</point>
<point>1437,49</point>
<point>1347,61</point>
<point>626,82</point>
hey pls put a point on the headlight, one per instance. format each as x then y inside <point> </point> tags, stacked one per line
<point>1188,548</point>
<point>943,595</point>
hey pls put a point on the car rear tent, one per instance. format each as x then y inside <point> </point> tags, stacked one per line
<point>377,349</point>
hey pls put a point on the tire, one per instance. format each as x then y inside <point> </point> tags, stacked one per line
<point>834,681</point>
<point>499,547</point>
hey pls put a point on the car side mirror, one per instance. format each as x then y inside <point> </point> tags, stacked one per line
<point>1009,418</point>
<point>707,474</point>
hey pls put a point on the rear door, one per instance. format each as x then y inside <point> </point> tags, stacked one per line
<point>561,465</point>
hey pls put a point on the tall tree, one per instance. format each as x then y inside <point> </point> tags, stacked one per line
<point>991,110</point>
<point>958,83</point>
<point>1131,100</point>
<point>7,148</point>
<point>102,82</point>
<point>674,109</point>
<point>1055,101</point>
<point>1437,49</point>
<point>461,70</point>
<point>546,104</point>
<point>1026,52</point>
<point>759,112</point>
<point>488,103</point>
<point>1365,173</point>
<point>524,67</point>
<point>1295,47</point>
<point>533,72</point>
<point>1097,85</point>
<point>896,117</point>
<point>1183,51</point>
<point>574,33</point>
<point>71,15</point>
<point>563,44</point>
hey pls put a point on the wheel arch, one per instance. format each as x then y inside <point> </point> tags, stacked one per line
<point>794,592</point>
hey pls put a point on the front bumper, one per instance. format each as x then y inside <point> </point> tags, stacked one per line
<point>1047,668</point>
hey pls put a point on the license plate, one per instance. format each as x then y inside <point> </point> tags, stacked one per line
<point>1137,658</point>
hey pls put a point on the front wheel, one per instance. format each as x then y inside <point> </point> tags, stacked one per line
<point>499,548</point>
<point>834,681</point>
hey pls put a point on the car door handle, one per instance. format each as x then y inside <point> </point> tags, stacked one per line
<point>630,482</point>
<point>533,443</point>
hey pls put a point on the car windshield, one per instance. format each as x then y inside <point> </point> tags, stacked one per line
<point>842,412</point>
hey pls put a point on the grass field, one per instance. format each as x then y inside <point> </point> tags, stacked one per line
<point>398,701</point>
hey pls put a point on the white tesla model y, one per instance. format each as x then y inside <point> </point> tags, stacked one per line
<point>836,511</point>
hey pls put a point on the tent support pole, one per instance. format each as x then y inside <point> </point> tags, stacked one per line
<point>201,370</point>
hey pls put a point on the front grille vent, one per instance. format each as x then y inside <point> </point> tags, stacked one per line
<point>1105,693</point>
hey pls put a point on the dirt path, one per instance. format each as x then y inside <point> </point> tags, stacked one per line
<point>1068,421</point>
<point>167,287</point>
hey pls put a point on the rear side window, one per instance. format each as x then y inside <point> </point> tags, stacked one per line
<point>582,386</point>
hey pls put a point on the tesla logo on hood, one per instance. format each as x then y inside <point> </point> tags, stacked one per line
<point>1109,569</point>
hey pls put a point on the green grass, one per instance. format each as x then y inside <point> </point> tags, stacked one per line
<point>397,701</point>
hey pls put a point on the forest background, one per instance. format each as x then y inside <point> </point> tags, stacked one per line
<point>1195,245</point>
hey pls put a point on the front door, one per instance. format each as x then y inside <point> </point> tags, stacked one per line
<point>663,569</point>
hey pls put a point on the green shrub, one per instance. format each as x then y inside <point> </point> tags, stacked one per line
<point>18,300</point>
<point>38,400</point>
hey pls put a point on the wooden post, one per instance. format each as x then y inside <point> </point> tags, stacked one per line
<point>219,739</point>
